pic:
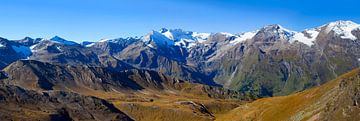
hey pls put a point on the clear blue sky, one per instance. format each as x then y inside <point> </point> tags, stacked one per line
<point>92,20</point>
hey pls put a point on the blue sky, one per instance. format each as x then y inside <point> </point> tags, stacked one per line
<point>93,20</point>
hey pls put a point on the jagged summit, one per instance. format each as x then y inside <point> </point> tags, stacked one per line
<point>342,29</point>
<point>157,38</point>
<point>273,33</point>
<point>27,38</point>
<point>176,37</point>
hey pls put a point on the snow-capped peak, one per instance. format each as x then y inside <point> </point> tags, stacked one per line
<point>177,37</point>
<point>157,38</point>
<point>278,31</point>
<point>343,29</point>
<point>63,41</point>
<point>176,34</point>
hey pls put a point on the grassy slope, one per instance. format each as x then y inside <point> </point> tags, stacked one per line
<point>154,105</point>
<point>305,105</point>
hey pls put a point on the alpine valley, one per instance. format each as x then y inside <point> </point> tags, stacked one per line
<point>269,74</point>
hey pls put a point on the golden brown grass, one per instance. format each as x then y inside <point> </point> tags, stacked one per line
<point>166,107</point>
<point>155,105</point>
<point>300,106</point>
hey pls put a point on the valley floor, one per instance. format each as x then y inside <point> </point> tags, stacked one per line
<point>169,106</point>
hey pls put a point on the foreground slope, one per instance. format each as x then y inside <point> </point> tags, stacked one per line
<point>19,104</point>
<point>336,100</point>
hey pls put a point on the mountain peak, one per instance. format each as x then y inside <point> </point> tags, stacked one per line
<point>57,38</point>
<point>342,28</point>
<point>177,37</point>
<point>27,38</point>
<point>343,23</point>
<point>276,30</point>
<point>156,37</point>
<point>63,41</point>
<point>162,30</point>
<point>276,27</point>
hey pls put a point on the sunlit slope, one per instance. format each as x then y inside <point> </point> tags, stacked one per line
<point>336,100</point>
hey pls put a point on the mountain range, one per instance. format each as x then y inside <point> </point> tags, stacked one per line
<point>129,78</point>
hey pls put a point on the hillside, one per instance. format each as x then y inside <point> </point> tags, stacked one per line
<point>141,94</point>
<point>336,100</point>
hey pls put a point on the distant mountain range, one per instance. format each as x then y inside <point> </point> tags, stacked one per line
<point>270,61</point>
<point>178,75</point>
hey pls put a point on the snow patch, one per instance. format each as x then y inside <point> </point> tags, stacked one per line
<point>32,48</point>
<point>149,45</point>
<point>58,48</point>
<point>63,41</point>
<point>226,34</point>
<point>168,34</point>
<point>242,37</point>
<point>1,45</point>
<point>308,40</point>
<point>104,40</point>
<point>201,37</point>
<point>90,45</point>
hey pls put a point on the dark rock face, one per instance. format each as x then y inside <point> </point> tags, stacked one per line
<point>7,53</point>
<point>27,41</point>
<point>20,104</point>
<point>53,52</point>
